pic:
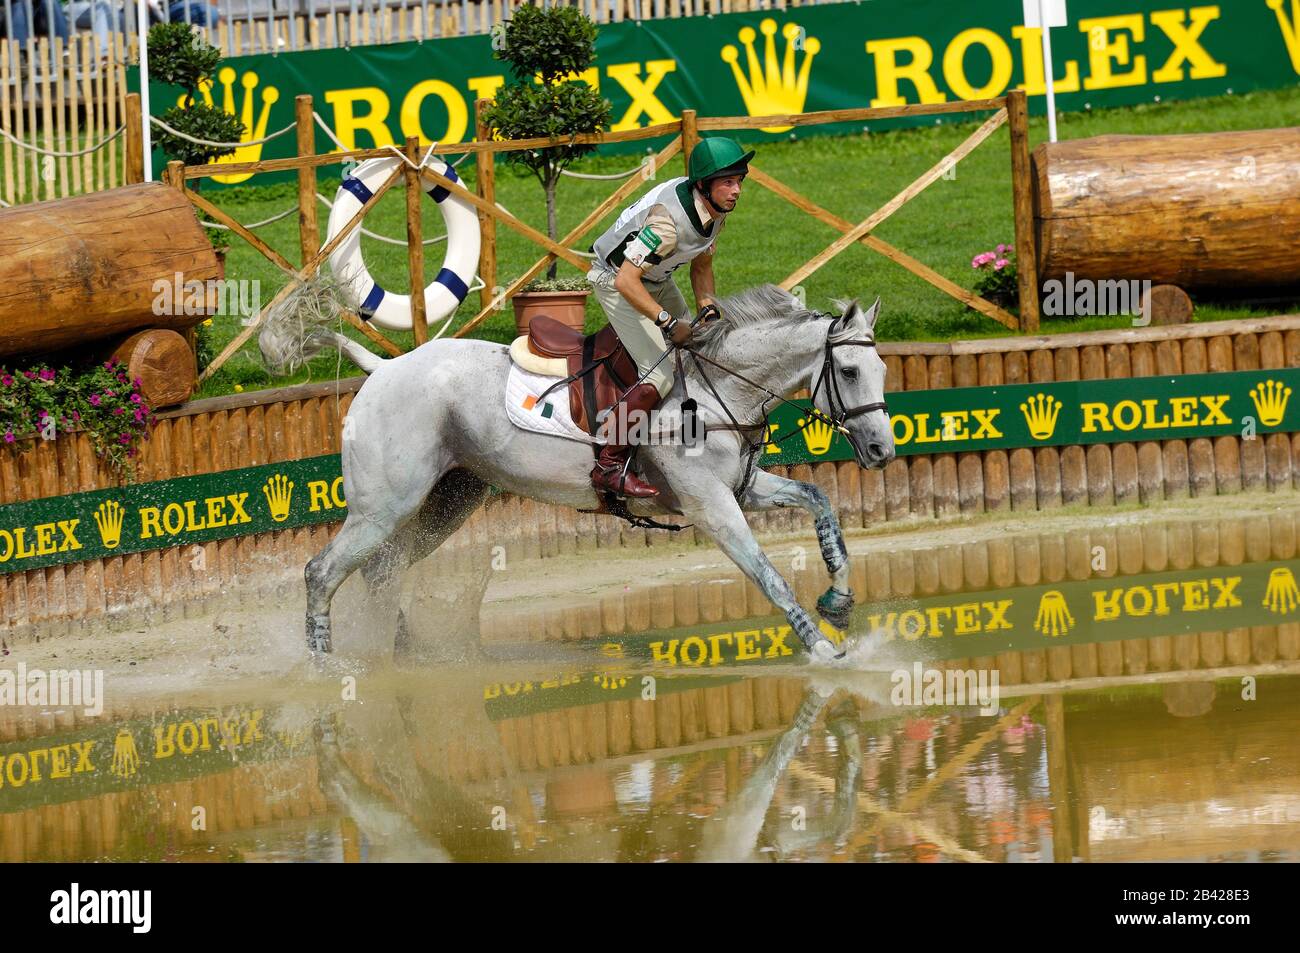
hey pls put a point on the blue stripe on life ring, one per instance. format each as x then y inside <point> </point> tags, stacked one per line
<point>371,304</point>
<point>440,192</point>
<point>358,188</point>
<point>451,281</point>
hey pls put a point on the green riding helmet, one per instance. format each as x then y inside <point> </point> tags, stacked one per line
<point>716,157</point>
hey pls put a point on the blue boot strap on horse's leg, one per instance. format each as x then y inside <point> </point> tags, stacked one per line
<point>831,541</point>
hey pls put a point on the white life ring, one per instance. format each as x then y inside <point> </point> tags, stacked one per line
<point>448,289</point>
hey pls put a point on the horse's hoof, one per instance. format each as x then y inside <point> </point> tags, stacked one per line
<point>825,651</point>
<point>318,637</point>
<point>835,607</point>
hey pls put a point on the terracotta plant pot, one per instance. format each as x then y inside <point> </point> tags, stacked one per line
<point>567,307</point>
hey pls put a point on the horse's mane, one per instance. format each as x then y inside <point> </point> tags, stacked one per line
<point>762,304</point>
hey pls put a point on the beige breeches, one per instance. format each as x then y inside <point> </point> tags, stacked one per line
<point>643,341</point>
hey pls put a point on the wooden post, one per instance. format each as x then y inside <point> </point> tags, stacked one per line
<point>134,141</point>
<point>690,137</point>
<point>1022,198</point>
<point>308,225</point>
<point>486,186</point>
<point>415,243</point>
<point>174,175</point>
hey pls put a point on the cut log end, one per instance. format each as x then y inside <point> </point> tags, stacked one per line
<point>1170,304</point>
<point>164,364</point>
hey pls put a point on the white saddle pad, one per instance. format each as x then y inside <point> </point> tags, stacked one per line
<point>549,416</point>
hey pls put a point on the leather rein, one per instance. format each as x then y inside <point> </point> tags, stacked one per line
<point>839,415</point>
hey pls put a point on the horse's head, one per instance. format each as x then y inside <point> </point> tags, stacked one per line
<point>851,380</point>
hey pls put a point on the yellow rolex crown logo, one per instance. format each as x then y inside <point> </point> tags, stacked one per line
<point>278,491</point>
<point>775,88</point>
<point>126,759</point>
<point>1054,618</point>
<point>254,127</point>
<point>1041,412</point>
<point>108,517</point>
<point>609,681</point>
<point>1269,398</point>
<point>1281,594</point>
<point>818,433</point>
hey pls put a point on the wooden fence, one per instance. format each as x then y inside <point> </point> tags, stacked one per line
<point>244,430</point>
<point>1009,110</point>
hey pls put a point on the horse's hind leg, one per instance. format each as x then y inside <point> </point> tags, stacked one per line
<point>451,502</point>
<point>367,529</point>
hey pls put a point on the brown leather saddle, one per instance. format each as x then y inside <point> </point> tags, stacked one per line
<point>600,370</point>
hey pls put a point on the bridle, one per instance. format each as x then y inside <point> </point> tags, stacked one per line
<point>838,416</point>
<point>833,397</point>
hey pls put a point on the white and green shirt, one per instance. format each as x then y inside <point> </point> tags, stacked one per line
<point>667,227</point>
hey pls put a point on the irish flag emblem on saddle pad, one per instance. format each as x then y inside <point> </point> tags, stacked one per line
<point>548,415</point>
<point>546,408</point>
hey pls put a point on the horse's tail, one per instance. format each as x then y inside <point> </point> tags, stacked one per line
<point>300,327</point>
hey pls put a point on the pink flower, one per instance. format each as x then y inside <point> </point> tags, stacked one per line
<point>9,436</point>
<point>110,362</point>
<point>30,375</point>
<point>1003,249</point>
<point>125,438</point>
<point>108,393</point>
<point>136,398</point>
<point>119,410</point>
<point>139,413</point>
<point>1000,264</point>
<point>982,259</point>
<point>47,374</point>
<point>136,383</point>
<point>76,415</point>
<point>94,400</point>
<point>6,380</point>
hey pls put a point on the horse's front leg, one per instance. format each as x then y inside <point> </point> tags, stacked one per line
<point>769,490</point>
<point>721,518</point>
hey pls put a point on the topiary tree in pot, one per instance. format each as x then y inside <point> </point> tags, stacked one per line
<point>180,56</point>
<point>544,49</point>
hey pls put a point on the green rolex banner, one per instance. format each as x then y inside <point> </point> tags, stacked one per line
<point>834,56</point>
<point>199,509</point>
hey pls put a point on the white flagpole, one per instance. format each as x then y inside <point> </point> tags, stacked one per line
<point>142,29</point>
<point>1048,71</point>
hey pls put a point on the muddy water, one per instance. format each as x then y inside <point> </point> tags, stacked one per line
<point>652,707</point>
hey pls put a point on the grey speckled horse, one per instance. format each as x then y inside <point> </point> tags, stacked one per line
<point>428,434</point>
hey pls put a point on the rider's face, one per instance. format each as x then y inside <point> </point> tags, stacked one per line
<point>726,191</point>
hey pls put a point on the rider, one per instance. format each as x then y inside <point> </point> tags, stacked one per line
<point>673,223</point>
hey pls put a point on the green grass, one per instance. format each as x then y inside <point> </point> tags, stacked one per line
<point>768,239</point>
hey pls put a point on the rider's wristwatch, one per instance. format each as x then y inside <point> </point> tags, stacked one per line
<point>663,319</point>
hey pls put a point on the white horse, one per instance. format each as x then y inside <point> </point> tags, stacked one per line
<point>427,435</point>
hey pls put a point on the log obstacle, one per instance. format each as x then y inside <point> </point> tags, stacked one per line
<point>1203,212</point>
<point>79,270</point>
<point>161,360</point>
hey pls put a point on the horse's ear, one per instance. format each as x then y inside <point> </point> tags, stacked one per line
<point>872,314</point>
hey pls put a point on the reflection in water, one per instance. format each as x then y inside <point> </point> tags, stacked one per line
<point>1150,690</point>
